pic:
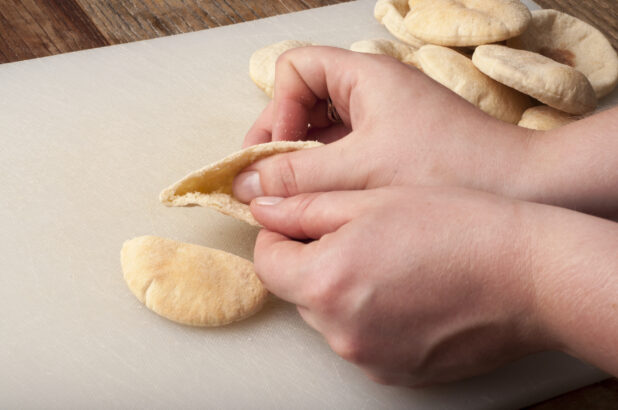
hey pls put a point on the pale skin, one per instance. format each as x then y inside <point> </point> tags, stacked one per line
<point>437,242</point>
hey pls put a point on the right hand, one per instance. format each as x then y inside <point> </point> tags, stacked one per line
<point>423,285</point>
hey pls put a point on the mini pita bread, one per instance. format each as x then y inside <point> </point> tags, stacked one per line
<point>550,82</point>
<point>262,63</point>
<point>385,47</point>
<point>191,284</point>
<point>211,186</point>
<point>545,118</point>
<point>395,49</point>
<point>466,22</point>
<point>456,72</point>
<point>391,13</point>
<point>573,42</point>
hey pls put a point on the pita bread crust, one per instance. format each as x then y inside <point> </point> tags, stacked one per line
<point>391,14</point>
<point>191,284</point>
<point>573,42</point>
<point>557,85</point>
<point>545,118</point>
<point>382,46</point>
<point>456,72</point>
<point>211,186</point>
<point>466,22</point>
<point>263,61</point>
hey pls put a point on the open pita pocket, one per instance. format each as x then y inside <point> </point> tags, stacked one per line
<point>191,284</point>
<point>395,49</point>
<point>466,22</point>
<point>545,118</point>
<point>573,42</point>
<point>557,85</point>
<point>391,13</point>
<point>211,186</point>
<point>262,63</point>
<point>456,72</point>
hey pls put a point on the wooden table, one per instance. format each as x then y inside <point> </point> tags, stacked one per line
<point>30,28</point>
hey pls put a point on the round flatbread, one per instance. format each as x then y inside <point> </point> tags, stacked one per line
<point>466,22</point>
<point>544,118</point>
<point>391,13</point>
<point>573,42</point>
<point>211,186</point>
<point>400,51</point>
<point>191,284</point>
<point>456,72</point>
<point>557,85</point>
<point>262,63</point>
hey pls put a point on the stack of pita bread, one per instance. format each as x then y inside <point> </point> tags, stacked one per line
<point>539,69</point>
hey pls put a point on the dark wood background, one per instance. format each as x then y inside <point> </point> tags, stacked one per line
<point>35,28</point>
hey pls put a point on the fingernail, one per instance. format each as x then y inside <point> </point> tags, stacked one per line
<point>247,186</point>
<point>268,200</point>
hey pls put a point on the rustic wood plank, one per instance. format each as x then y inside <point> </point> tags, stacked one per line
<point>602,14</point>
<point>122,21</point>
<point>30,28</point>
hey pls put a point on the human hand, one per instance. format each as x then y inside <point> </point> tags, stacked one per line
<point>415,286</point>
<point>402,128</point>
<point>399,128</point>
<point>426,285</point>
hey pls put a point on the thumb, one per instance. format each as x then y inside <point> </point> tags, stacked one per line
<point>330,167</point>
<point>313,215</point>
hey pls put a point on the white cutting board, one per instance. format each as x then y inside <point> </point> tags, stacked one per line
<point>87,141</point>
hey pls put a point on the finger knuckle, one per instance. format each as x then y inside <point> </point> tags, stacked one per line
<point>285,176</point>
<point>329,284</point>
<point>306,212</point>
<point>284,58</point>
<point>350,348</point>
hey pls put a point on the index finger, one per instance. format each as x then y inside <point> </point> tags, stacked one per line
<point>306,77</point>
<point>321,128</point>
<point>261,130</point>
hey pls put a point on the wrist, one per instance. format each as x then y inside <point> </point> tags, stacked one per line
<point>575,280</point>
<point>505,158</point>
<point>522,241</point>
<point>571,167</point>
<point>535,180</point>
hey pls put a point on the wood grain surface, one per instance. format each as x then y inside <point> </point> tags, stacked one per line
<point>31,28</point>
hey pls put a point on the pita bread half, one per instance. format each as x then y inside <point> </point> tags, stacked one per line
<point>456,72</point>
<point>557,85</point>
<point>573,42</point>
<point>545,118</point>
<point>211,186</point>
<point>191,284</point>
<point>391,13</point>
<point>466,22</point>
<point>263,62</point>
